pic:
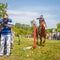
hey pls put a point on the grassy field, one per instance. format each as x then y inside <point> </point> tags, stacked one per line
<point>51,51</point>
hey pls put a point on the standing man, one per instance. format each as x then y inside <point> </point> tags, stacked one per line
<point>6,35</point>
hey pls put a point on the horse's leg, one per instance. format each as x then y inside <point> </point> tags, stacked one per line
<point>37,40</point>
<point>40,40</point>
<point>44,40</point>
<point>44,37</point>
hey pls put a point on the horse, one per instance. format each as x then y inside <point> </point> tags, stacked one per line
<point>41,32</point>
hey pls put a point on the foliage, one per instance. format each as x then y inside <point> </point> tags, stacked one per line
<point>49,30</point>
<point>3,8</point>
<point>33,22</point>
<point>58,30</point>
<point>17,25</point>
<point>23,26</point>
<point>22,31</point>
<point>58,26</point>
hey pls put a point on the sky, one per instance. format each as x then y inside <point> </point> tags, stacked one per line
<point>23,11</point>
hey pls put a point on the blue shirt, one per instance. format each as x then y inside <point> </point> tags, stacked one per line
<point>1,22</point>
<point>5,29</point>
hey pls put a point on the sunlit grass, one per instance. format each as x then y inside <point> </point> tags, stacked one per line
<point>51,51</point>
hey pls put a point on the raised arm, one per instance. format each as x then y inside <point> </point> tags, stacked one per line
<point>37,18</point>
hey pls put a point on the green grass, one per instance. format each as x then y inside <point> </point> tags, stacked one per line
<point>51,51</point>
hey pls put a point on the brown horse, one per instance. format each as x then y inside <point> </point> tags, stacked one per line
<point>41,31</point>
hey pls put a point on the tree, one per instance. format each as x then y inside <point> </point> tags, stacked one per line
<point>17,25</point>
<point>33,22</point>
<point>22,29</point>
<point>49,30</point>
<point>3,8</point>
<point>25,26</point>
<point>58,26</point>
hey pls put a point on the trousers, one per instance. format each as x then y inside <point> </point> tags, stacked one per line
<point>5,39</point>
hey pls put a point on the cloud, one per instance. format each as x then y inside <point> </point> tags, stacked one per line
<point>22,16</point>
<point>18,12</point>
<point>25,17</point>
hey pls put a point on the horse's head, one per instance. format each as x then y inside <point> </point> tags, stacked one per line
<point>43,25</point>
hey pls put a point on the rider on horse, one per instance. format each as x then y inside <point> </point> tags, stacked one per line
<point>41,19</point>
<point>41,30</point>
